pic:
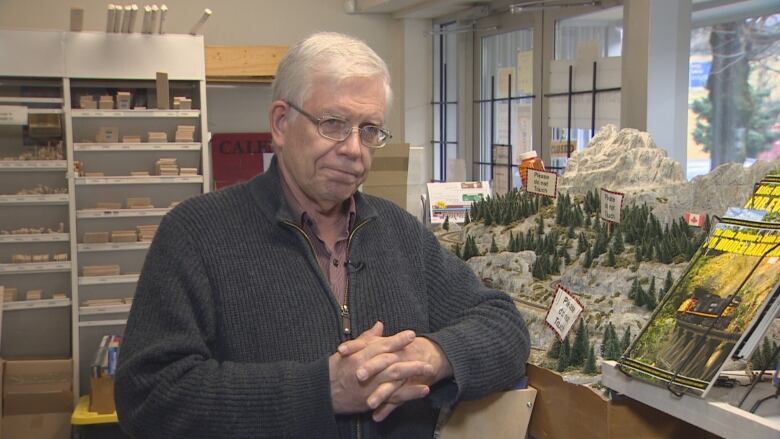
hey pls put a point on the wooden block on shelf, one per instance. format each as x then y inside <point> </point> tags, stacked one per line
<point>163,92</point>
<point>33,295</point>
<point>107,135</point>
<point>102,302</point>
<point>131,139</point>
<point>108,205</point>
<point>124,236</point>
<point>60,257</point>
<point>139,203</point>
<point>94,174</point>
<point>101,270</point>
<point>20,258</point>
<point>243,62</point>
<point>43,257</point>
<point>95,237</point>
<point>9,294</point>
<point>59,296</point>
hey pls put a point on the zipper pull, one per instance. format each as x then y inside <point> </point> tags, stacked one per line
<point>345,320</point>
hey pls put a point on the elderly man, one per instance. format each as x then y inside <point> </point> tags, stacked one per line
<point>294,306</point>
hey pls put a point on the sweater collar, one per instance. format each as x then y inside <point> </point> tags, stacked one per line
<point>266,189</point>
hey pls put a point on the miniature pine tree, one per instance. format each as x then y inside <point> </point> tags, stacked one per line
<point>582,244</point>
<point>590,363</point>
<point>563,357</point>
<point>651,289</point>
<point>456,249</point>
<point>540,225</point>
<point>579,349</point>
<point>555,349</point>
<point>493,246</point>
<point>650,300</point>
<point>570,232</point>
<point>640,298</point>
<point>555,265</point>
<point>466,253</point>
<point>566,257</point>
<point>638,254</point>
<point>605,339</point>
<point>473,244</point>
<point>587,220</point>
<point>588,260</point>
<point>617,244</point>
<point>467,219</point>
<point>668,282</point>
<point>446,225</point>
<point>707,224</point>
<point>625,342</point>
<point>488,218</point>
<point>611,262</point>
<point>634,288</point>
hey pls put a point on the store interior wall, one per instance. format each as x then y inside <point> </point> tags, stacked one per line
<point>400,42</point>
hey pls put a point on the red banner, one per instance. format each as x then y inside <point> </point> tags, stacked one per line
<point>238,157</point>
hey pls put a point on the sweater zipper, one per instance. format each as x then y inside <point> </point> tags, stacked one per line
<point>346,317</point>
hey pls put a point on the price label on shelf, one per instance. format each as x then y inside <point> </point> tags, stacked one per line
<point>611,205</point>
<point>542,183</point>
<point>563,312</point>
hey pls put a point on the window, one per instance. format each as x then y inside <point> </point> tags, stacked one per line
<point>445,100</point>
<point>734,93</point>
<point>505,106</point>
<point>601,32</point>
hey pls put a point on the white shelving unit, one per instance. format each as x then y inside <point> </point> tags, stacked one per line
<point>68,63</point>
<point>31,156</point>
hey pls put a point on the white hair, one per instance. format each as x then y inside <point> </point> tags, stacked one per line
<point>332,55</point>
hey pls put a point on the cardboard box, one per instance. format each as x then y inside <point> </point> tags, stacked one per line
<point>37,398</point>
<point>37,386</point>
<point>564,410</point>
<point>101,395</point>
<point>389,174</point>
<point>500,415</point>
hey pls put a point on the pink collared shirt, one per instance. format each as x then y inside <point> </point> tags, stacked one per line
<point>332,261</point>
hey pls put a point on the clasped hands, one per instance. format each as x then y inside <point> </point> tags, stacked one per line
<point>378,373</point>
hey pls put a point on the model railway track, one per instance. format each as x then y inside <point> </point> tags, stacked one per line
<point>531,304</point>
<point>451,237</point>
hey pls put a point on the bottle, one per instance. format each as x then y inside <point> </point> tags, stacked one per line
<point>529,160</point>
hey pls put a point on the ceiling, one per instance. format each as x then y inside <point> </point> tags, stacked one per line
<point>705,11</point>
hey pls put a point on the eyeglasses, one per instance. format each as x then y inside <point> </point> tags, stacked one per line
<point>338,129</point>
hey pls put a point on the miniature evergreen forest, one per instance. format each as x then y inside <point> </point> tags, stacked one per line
<point>526,244</point>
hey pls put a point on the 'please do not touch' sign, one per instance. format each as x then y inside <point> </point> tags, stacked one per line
<point>563,312</point>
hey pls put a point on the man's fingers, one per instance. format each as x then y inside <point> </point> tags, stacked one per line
<point>349,347</point>
<point>375,365</point>
<point>392,343</point>
<point>408,392</point>
<point>382,392</point>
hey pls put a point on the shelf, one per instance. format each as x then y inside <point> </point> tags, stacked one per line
<point>154,179</point>
<point>114,246</point>
<point>44,111</point>
<point>52,199</point>
<point>121,213</point>
<point>32,165</point>
<point>35,267</point>
<point>116,322</point>
<point>119,147</point>
<point>23,100</point>
<point>108,280</point>
<point>35,237</point>
<point>35,304</point>
<point>135,113</point>
<point>711,413</point>
<point>105,309</point>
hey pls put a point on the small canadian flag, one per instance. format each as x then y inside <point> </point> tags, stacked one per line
<point>694,219</point>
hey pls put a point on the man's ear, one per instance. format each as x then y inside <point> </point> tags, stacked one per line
<point>278,116</point>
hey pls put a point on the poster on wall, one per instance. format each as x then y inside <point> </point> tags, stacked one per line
<point>453,199</point>
<point>238,157</point>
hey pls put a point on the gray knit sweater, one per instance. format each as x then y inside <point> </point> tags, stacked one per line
<point>233,321</point>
